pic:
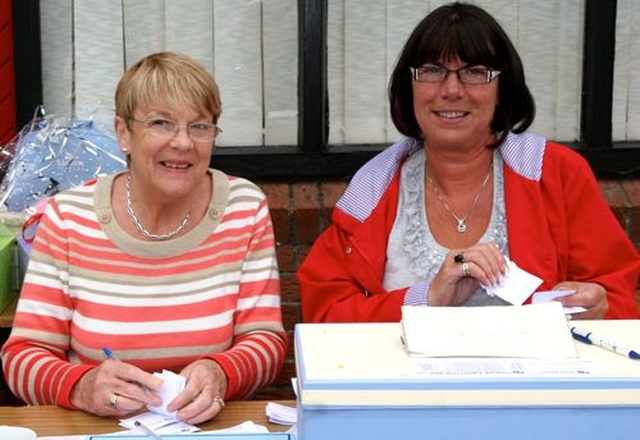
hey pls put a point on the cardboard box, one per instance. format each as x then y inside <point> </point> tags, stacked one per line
<point>358,380</point>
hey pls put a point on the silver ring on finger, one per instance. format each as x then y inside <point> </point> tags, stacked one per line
<point>113,401</point>
<point>219,401</point>
<point>465,269</point>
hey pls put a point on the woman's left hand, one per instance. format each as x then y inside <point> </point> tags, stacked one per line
<point>205,389</point>
<point>591,296</point>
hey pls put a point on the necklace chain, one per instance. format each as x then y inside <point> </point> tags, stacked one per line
<point>461,227</point>
<point>141,229</point>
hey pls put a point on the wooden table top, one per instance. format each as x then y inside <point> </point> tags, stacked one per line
<point>53,420</point>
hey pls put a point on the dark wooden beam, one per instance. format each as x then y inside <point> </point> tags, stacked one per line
<point>27,58</point>
<point>313,119</point>
<point>597,80</point>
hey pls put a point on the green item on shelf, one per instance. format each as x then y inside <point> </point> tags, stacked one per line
<point>8,290</point>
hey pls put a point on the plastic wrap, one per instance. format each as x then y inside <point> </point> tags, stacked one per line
<point>53,153</point>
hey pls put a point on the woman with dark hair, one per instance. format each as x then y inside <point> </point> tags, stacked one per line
<point>435,218</point>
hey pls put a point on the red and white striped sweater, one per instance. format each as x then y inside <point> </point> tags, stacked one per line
<point>212,293</point>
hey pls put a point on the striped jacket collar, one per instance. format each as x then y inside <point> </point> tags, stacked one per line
<point>523,153</point>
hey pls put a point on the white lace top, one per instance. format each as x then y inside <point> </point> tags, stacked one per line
<point>413,255</point>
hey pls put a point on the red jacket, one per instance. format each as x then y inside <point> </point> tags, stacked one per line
<point>559,228</point>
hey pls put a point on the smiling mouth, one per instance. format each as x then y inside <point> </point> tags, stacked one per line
<point>451,115</point>
<point>175,166</point>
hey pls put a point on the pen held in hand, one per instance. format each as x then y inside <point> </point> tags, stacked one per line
<point>138,424</point>
<point>589,338</point>
<point>109,354</point>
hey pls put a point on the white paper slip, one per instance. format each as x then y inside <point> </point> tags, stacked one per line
<point>173,384</point>
<point>518,285</point>
<point>552,295</point>
<point>537,331</point>
<point>158,423</point>
<point>281,414</point>
<point>247,427</point>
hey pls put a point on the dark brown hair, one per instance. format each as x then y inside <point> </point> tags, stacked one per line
<point>467,32</point>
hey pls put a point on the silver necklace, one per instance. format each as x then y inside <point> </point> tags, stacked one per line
<point>141,229</point>
<point>462,225</point>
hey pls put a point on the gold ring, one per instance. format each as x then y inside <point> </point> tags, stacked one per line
<point>113,401</point>
<point>219,401</point>
<point>465,269</point>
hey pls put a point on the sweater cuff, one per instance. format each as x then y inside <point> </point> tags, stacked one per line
<point>63,398</point>
<point>230,371</point>
<point>417,295</point>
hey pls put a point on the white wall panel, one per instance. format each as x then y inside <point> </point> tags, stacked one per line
<point>57,56</point>
<point>238,70</point>
<point>99,57</point>
<point>570,58</point>
<point>144,29</point>
<point>280,41</point>
<point>365,65</point>
<point>626,86</point>
<point>550,44</point>
<point>403,16</point>
<point>189,29</point>
<point>335,71</point>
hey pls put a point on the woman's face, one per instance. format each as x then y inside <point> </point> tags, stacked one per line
<point>452,114</point>
<point>172,164</point>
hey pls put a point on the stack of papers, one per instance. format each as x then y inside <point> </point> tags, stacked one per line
<point>159,419</point>
<point>158,423</point>
<point>281,414</point>
<point>535,331</point>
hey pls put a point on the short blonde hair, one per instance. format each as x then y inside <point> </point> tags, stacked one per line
<point>170,78</point>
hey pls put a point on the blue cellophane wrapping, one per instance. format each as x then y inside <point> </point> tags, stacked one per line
<point>54,153</point>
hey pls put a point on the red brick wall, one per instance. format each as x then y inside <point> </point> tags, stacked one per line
<point>301,210</point>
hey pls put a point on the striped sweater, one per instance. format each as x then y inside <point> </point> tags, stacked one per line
<point>212,293</point>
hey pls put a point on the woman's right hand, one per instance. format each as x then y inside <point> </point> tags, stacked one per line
<point>455,282</point>
<point>115,388</point>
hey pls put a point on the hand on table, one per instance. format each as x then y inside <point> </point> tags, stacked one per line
<point>115,388</point>
<point>205,389</point>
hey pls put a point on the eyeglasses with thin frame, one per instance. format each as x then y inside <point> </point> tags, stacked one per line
<point>431,73</point>
<point>198,131</point>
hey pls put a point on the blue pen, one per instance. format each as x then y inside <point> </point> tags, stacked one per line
<point>589,338</point>
<point>108,353</point>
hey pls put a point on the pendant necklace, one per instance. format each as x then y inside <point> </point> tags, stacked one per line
<point>141,229</point>
<point>462,225</point>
